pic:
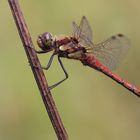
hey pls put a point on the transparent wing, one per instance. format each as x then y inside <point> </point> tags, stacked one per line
<point>111,52</point>
<point>75,30</point>
<point>83,32</point>
<point>85,28</point>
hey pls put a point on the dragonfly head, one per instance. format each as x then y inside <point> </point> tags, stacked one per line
<point>45,41</point>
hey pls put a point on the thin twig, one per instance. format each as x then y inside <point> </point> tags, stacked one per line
<point>37,71</point>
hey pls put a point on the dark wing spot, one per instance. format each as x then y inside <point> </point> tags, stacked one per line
<point>120,35</point>
<point>113,37</point>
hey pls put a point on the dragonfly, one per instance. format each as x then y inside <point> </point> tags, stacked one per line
<point>103,57</point>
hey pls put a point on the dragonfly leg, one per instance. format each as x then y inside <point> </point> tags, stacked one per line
<point>49,63</point>
<point>65,72</point>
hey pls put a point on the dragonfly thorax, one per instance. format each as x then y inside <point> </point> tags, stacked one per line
<point>72,50</point>
<point>45,41</point>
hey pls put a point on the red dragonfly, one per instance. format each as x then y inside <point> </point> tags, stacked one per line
<point>103,57</point>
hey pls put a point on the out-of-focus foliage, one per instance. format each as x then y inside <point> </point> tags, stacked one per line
<point>91,105</point>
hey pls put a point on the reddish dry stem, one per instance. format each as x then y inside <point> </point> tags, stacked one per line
<point>38,72</point>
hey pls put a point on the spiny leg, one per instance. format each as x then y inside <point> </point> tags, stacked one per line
<point>49,63</point>
<point>50,60</point>
<point>65,72</point>
<point>48,66</point>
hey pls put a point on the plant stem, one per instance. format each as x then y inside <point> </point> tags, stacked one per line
<point>37,71</point>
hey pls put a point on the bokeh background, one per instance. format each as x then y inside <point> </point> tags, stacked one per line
<point>91,105</point>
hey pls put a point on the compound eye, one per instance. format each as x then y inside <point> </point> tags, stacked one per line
<point>45,41</point>
<point>47,36</point>
<point>39,42</point>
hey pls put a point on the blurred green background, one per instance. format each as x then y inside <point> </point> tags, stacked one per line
<point>92,106</point>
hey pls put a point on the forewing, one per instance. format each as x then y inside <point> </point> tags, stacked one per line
<point>75,30</point>
<point>85,29</point>
<point>83,32</point>
<point>112,51</point>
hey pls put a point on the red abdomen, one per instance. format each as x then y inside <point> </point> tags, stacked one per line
<point>91,61</point>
